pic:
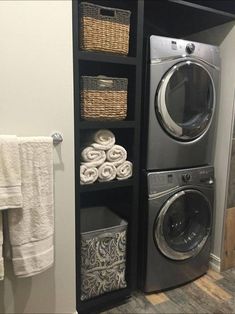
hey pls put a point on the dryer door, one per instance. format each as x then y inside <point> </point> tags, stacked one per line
<point>183,225</point>
<point>185,100</point>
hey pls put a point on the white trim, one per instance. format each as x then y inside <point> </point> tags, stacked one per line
<point>215,263</point>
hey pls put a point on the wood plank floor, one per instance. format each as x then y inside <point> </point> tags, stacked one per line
<point>229,238</point>
<point>213,293</point>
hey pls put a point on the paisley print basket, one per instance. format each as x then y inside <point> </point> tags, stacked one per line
<point>103,254</point>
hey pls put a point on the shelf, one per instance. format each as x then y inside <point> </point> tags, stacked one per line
<point>196,18</point>
<point>105,57</point>
<point>84,125</point>
<point>106,185</point>
<point>221,7</point>
<point>102,301</point>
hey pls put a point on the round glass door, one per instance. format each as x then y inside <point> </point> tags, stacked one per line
<point>185,100</point>
<point>183,225</point>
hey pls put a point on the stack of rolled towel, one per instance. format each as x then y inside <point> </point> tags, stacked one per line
<point>103,160</point>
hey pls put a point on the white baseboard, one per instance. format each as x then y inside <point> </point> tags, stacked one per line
<point>215,263</point>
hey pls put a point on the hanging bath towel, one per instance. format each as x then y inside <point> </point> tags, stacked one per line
<point>10,173</point>
<point>31,227</point>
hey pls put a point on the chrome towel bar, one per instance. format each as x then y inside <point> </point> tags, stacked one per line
<point>57,138</point>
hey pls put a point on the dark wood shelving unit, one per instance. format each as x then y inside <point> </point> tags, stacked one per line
<point>120,196</point>
<point>148,17</point>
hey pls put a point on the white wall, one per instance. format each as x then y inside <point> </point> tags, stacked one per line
<point>224,37</point>
<point>36,98</point>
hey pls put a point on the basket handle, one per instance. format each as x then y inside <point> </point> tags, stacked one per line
<point>107,12</point>
<point>109,234</point>
<point>106,235</point>
<point>105,83</point>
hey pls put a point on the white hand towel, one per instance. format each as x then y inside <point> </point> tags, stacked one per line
<point>104,140</point>
<point>92,157</point>
<point>124,171</point>
<point>1,243</point>
<point>31,227</point>
<point>117,155</point>
<point>10,176</point>
<point>107,172</point>
<point>88,175</point>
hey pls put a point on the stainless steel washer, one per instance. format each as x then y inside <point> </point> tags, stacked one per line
<point>176,227</point>
<point>184,80</point>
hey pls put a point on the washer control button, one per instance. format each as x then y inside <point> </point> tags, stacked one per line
<point>186,177</point>
<point>207,180</point>
<point>211,181</point>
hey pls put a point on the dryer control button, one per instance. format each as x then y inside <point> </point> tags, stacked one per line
<point>190,48</point>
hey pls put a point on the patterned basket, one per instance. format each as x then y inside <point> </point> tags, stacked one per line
<point>104,29</point>
<point>103,98</point>
<point>103,252</point>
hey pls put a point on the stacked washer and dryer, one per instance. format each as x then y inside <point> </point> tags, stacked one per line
<point>178,177</point>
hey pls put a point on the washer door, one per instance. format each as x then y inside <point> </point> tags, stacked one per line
<point>183,225</point>
<point>185,100</point>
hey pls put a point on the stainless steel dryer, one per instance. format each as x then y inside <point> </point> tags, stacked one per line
<point>177,223</point>
<point>184,80</point>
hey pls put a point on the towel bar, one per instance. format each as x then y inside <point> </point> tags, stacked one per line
<point>57,138</point>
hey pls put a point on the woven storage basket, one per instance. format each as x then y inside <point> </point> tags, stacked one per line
<point>103,98</point>
<point>104,29</point>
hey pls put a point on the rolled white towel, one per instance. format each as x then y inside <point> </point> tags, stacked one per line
<point>117,155</point>
<point>104,140</point>
<point>124,171</point>
<point>88,175</point>
<point>92,157</point>
<point>107,172</point>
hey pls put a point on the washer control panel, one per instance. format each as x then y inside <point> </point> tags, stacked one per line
<point>163,181</point>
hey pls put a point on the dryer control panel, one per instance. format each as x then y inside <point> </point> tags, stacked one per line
<point>167,181</point>
<point>165,48</point>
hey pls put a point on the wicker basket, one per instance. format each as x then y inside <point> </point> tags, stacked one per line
<point>103,98</point>
<point>104,29</point>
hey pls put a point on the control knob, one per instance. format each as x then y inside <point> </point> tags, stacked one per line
<point>186,177</point>
<point>190,48</point>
